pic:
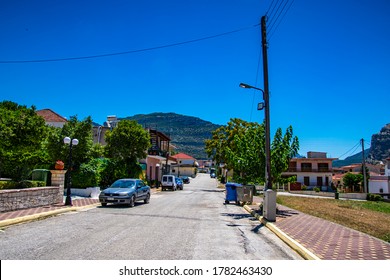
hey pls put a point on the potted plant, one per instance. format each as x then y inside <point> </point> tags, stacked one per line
<point>59,165</point>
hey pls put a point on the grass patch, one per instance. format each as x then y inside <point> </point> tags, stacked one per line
<point>371,217</point>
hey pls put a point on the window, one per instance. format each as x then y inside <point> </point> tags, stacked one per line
<point>306,181</point>
<point>323,167</point>
<point>306,166</point>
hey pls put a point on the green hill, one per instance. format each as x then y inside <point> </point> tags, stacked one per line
<point>187,133</point>
<point>356,158</point>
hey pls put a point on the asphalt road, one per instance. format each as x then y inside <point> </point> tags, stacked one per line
<point>193,224</point>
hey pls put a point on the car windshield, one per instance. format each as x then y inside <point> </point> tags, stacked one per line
<point>123,184</point>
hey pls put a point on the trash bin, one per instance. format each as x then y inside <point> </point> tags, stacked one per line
<point>40,175</point>
<point>336,195</point>
<point>231,192</point>
<point>245,194</point>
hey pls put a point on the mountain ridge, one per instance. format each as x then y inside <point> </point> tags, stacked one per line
<point>187,133</point>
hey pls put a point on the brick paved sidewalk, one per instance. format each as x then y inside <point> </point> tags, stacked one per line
<point>21,215</point>
<point>328,240</point>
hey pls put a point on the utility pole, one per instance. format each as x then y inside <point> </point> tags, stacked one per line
<point>364,168</point>
<point>268,184</point>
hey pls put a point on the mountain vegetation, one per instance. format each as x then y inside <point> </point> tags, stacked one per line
<point>188,134</point>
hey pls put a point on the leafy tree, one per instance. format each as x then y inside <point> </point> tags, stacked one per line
<point>241,146</point>
<point>22,134</point>
<point>81,130</point>
<point>127,143</point>
<point>353,181</point>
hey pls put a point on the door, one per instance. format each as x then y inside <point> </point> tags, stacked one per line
<point>319,182</point>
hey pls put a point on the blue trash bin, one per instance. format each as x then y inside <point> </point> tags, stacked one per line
<point>231,192</point>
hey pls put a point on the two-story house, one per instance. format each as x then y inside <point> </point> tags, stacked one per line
<point>185,165</point>
<point>158,162</point>
<point>313,171</point>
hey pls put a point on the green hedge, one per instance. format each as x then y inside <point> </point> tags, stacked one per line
<point>374,197</point>
<point>10,185</point>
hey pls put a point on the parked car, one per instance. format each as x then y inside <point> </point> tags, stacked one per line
<point>212,175</point>
<point>185,179</point>
<point>125,191</point>
<point>179,183</point>
<point>168,182</point>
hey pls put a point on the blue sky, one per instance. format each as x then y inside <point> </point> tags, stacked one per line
<point>329,62</point>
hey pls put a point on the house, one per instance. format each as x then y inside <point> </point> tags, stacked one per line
<point>185,165</point>
<point>313,171</point>
<point>381,183</point>
<point>52,118</point>
<point>158,162</point>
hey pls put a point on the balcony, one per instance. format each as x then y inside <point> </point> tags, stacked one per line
<point>157,152</point>
<point>317,170</point>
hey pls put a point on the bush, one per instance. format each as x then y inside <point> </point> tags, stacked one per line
<point>303,187</point>
<point>316,189</point>
<point>374,197</point>
<point>12,185</point>
<point>88,174</point>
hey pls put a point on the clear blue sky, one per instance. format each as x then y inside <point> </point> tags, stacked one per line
<point>329,62</point>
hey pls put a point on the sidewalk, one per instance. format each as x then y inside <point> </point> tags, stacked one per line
<point>316,238</point>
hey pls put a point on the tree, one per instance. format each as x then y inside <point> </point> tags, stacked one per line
<point>81,130</point>
<point>353,181</point>
<point>241,146</point>
<point>127,143</point>
<point>22,134</point>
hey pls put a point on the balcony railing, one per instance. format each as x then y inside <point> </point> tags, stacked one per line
<point>292,169</point>
<point>157,152</point>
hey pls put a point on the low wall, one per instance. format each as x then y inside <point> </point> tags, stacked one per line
<point>362,196</point>
<point>27,198</point>
<point>92,192</point>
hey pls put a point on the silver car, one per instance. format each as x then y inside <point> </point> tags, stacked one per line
<point>125,191</point>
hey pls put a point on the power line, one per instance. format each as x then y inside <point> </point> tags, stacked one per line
<point>130,51</point>
<point>354,148</point>
<point>269,8</point>
<point>288,8</point>
<point>277,10</point>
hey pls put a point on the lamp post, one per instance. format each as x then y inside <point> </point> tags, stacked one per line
<point>71,143</point>
<point>265,104</point>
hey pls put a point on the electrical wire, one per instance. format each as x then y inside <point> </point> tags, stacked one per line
<point>130,51</point>
<point>272,32</point>
<point>349,151</point>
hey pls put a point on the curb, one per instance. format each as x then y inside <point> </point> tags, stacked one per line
<point>305,253</point>
<point>33,217</point>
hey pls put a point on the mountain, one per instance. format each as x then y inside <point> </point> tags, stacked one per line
<point>380,144</point>
<point>187,133</point>
<point>357,158</point>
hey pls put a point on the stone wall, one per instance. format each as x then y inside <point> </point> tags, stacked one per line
<point>27,198</point>
<point>11,200</point>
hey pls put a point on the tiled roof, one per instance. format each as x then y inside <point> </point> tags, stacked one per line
<point>50,116</point>
<point>182,156</point>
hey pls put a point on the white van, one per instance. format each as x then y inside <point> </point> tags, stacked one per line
<point>168,182</point>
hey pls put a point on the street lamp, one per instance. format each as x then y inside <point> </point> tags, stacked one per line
<point>71,143</point>
<point>265,104</point>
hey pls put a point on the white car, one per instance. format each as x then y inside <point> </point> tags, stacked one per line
<point>168,182</point>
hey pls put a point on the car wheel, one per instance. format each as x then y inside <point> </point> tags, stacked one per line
<point>104,204</point>
<point>147,199</point>
<point>132,201</point>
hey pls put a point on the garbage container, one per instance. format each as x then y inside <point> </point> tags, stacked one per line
<point>245,194</point>
<point>40,175</point>
<point>231,192</point>
<point>336,195</point>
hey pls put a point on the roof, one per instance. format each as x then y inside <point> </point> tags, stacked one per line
<point>182,156</point>
<point>50,116</point>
